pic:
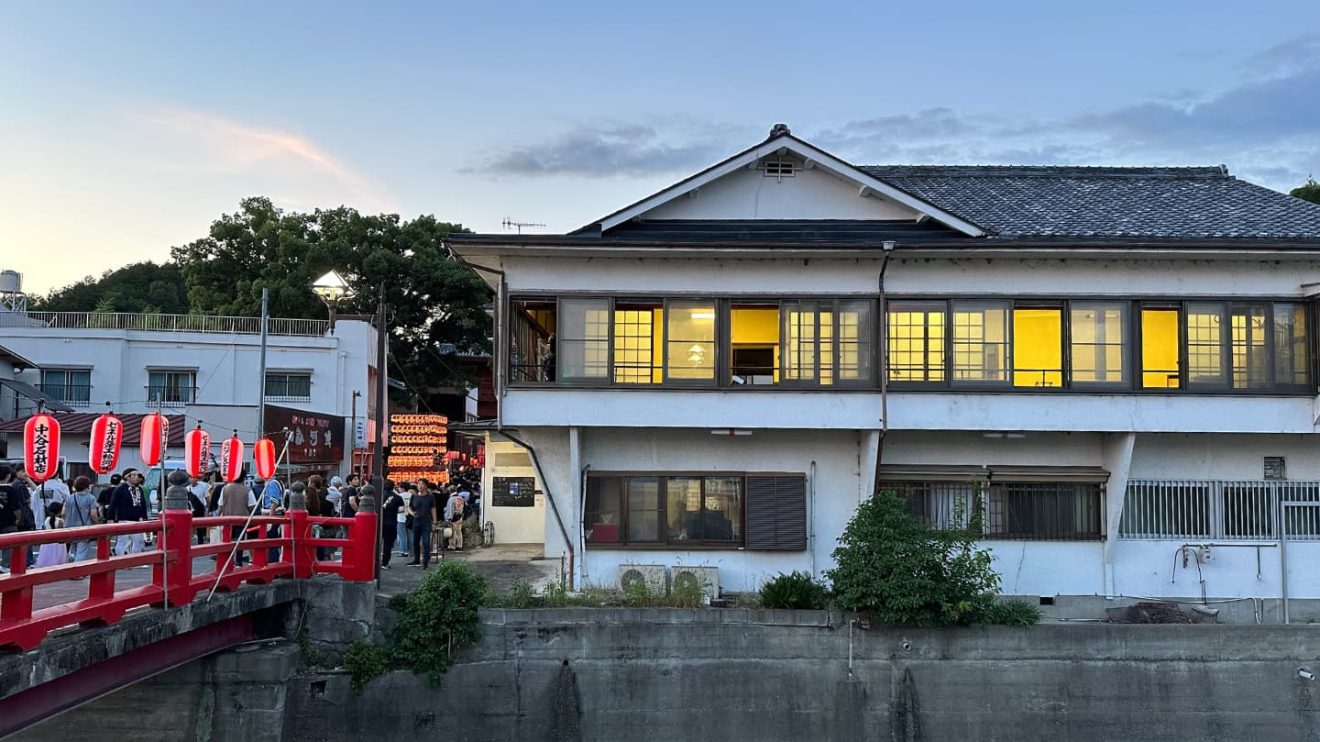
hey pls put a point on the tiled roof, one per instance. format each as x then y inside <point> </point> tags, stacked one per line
<point>80,423</point>
<point>1115,202</point>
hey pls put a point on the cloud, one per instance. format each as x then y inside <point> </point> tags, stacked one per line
<point>613,149</point>
<point>202,141</point>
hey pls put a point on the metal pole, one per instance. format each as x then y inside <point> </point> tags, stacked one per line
<point>261,381</point>
<point>382,409</point>
<point>1281,510</point>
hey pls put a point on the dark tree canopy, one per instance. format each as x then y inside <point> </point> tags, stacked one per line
<point>1308,192</point>
<point>140,287</point>
<point>436,306</point>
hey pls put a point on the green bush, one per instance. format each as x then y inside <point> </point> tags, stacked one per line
<point>365,661</point>
<point>794,590</point>
<point>686,594</point>
<point>1008,613</point>
<point>438,618</point>
<point>902,571</point>
<point>522,596</point>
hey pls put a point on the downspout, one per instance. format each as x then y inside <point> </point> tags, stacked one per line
<point>536,462</point>
<point>811,517</point>
<point>582,529</point>
<point>497,354</point>
<point>888,246</point>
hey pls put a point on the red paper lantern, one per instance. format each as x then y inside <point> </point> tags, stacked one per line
<point>107,441</point>
<point>196,451</point>
<point>41,447</point>
<point>155,434</point>
<point>263,455</point>
<point>231,458</point>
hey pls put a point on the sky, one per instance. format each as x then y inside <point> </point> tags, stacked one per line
<point>126,128</point>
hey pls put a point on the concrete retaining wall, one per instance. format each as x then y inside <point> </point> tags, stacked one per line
<point>734,675</point>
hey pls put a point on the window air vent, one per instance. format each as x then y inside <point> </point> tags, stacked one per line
<point>779,168</point>
<point>1274,467</point>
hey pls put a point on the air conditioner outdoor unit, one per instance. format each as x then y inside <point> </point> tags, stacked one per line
<point>708,578</point>
<point>654,576</point>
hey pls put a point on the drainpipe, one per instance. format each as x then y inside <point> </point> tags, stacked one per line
<point>811,517</point>
<point>888,246</point>
<point>536,462</point>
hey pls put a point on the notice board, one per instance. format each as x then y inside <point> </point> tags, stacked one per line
<point>513,492</point>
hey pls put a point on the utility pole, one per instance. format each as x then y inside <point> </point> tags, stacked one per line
<point>382,409</point>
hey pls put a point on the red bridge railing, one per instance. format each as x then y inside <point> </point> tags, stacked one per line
<point>174,579</point>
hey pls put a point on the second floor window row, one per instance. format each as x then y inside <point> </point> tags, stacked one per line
<point>937,343</point>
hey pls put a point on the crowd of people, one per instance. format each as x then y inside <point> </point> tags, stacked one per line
<point>417,518</point>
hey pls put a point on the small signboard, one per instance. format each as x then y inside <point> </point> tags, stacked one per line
<point>513,492</point>
<point>313,437</point>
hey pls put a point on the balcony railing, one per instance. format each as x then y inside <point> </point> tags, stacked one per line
<point>1247,510</point>
<point>171,393</point>
<point>73,395</point>
<point>200,323</point>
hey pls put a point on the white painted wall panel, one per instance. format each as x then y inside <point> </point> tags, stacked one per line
<point>810,194</point>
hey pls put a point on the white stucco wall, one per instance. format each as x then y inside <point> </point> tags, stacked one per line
<point>809,194</point>
<point>512,525</point>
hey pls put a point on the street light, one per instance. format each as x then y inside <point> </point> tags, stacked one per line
<point>331,288</point>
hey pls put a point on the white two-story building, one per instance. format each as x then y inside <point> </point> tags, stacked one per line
<point>198,369</point>
<point>1115,367</point>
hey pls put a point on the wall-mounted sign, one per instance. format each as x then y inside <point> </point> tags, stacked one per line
<point>418,444</point>
<point>360,433</point>
<point>313,437</point>
<point>513,492</point>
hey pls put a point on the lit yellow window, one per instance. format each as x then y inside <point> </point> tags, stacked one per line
<point>638,346</point>
<point>916,342</point>
<point>1159,348</point>
<point>754,345</point>
<point>1097,341</point>
<point>691,341</point>
<point>1038,347</point>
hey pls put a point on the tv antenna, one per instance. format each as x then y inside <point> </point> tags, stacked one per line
<point>509,223</point>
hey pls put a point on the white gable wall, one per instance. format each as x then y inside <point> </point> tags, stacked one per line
<point>810,194</point>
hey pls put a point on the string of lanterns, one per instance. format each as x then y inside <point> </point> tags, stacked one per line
<point>41,447</point>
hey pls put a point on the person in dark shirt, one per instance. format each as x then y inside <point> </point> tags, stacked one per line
<point>11,505</point>
<point>128,504</point>
<point>349,496</point>
<point>389,514</point>
<point>423,509</point>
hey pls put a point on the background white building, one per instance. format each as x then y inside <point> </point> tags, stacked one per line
<point>196,369</point>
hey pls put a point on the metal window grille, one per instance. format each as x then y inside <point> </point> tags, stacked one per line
<point>1220,510</point>
<point>1033,511</point>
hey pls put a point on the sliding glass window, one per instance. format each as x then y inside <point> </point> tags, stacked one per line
<point>1291,349</point>
<point>827,343</point>
<point>753,344</point>
<point>1098,337</point>
<point>638,342</point>
<point>584,342</point>
<point>1161,365</point>
<point>916,341</point>
<point>691,347</point>
<point>1038,347</point>
<point>980,343</point>
<point>1250,349</point>
<point>1205,345</point>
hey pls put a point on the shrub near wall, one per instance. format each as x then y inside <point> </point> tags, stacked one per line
<point>901,571</point>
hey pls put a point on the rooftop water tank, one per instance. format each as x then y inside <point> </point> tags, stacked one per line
<point>11,282</point>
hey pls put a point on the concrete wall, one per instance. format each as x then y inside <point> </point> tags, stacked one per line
<point>735,675</point>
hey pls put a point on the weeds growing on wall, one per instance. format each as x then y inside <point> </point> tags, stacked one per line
<point>433,621</point>
<point>902,571</point>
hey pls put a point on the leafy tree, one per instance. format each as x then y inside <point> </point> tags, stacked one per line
<point>903,571</point>
<point>436,306</point>
<point>1308,192</point>
<point>140,287</point>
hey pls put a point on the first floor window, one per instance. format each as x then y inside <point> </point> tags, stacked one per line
<point>72,386</point>
<point>755,511</point>
<point>171,386</point>
<point>1033,511</point>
